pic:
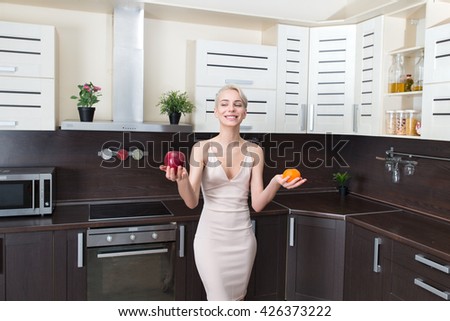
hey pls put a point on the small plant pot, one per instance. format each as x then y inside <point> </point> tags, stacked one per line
<point>86,113</point>
<point>174,118</point>
<point>343,190</point>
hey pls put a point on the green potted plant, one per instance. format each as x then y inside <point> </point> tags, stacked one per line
<point>341,178</point>
<point>174,103</point>
<point>87,98</point>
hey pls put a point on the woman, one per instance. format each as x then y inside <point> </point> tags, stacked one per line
<point>226,168</point>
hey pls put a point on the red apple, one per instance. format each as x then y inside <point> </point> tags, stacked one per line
<point>174,159</point>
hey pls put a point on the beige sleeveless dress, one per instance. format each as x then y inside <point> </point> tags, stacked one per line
<point>224,244</point>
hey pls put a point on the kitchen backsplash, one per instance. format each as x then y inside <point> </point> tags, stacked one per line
<point>83,175</point>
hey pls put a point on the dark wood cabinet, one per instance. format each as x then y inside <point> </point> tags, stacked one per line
<point>315,258</point>
<point>380,268</point>
<point>188,285</point>
<point>27,266</point>
<point>70,264</point>
<point>367,264</point>
<point>267,281</point>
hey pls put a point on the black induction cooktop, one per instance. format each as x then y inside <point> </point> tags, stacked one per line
<point>127,210</point>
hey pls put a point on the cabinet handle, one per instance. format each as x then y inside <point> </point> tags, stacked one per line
<point>1,256</point>
<point>376,255</point>
<point>239,82</point>
<point>254,226</point>
<point>311,117</point>
<point>182,230</point>
<point>355,118</point>
<point>8,123</point>
<point>8,69</point>
<point>303,113</point>
<point>291,231</point>
<point>442,294</point>
<point>80,250</point>
<point>246,127</point>
<point>443,268</point>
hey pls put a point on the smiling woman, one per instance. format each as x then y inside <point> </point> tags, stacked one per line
<point>226,168</point>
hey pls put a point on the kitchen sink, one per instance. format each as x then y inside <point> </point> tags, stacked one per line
<point>127,210</point>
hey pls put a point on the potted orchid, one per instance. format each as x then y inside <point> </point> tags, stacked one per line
<point>87,97</point>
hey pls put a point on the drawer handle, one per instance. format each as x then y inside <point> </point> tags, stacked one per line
<point>442,294</point>
<point>443,268</point>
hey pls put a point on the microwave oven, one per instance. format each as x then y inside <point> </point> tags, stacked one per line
<point>27,191</point>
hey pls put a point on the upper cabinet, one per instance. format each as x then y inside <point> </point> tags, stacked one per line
<point>331,79</point>
<point>436,96</point>
<point>27,76</point>
<point>251,67</point>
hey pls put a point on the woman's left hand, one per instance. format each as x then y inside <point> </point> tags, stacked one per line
<point>296,182</point>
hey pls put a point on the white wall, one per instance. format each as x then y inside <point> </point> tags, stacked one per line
<point>85,54</point>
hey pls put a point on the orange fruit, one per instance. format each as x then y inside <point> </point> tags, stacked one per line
<point>293,173</point>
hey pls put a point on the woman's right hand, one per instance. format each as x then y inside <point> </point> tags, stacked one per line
<point>172,175</point>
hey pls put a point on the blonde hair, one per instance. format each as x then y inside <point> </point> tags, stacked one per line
<point>232,87</point>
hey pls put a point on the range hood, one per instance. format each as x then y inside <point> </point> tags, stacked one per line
<point>128,77</point>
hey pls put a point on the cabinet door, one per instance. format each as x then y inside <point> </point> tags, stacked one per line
<point>331,79</point>
<point>437,58</point>
<point>367,264</point>
<point>188,285</point>
<point>436,111</point>
<point>260,110</point>
<point>367,108</point>
<point>247,65</point>
<point>29,266</point>
<point>267,281</point>
<point>292,78</point>
<point>315,263</point>
<point>2,267</point>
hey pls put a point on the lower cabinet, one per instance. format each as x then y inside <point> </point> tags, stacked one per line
<point>267,281</point>
<point>70,264</point>
<point>188,285</point>
<point>379,268</point>
<point>42,265</point>
<point>268,275</point>
<point>367,264</point>
<point>315,258</point>
<point>27,267</point>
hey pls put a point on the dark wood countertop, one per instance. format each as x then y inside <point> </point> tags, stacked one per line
<point>330,204</point>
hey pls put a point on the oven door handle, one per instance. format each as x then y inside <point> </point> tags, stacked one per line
<point>130,253</point>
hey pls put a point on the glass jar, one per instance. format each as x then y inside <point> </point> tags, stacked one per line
<point>390,122</point>
<point>408,82</point>
<point>411,119</point>
<point>418,75</point>
<point>396,75</point>
<point>400,122</point>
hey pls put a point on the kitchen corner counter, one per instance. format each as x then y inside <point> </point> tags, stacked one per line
<point>330,204</point>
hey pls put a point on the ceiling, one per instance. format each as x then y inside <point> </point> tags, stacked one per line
<point>254,14</point>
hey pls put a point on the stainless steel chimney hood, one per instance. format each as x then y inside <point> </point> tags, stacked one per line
<point>128,77</point>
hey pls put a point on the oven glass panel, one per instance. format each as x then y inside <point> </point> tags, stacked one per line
<point>120,273</point>
<point>16,194</point>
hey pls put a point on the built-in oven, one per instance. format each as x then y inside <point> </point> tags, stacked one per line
<point>131,263</point>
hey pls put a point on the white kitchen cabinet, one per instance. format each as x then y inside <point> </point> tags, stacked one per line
<point>367,118</point>
<point>27,76</point>
<point>260,110</point>
<point>292,76</point>
<point>436,93</point>
<point>251,67</point>
<point>331,79</point>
